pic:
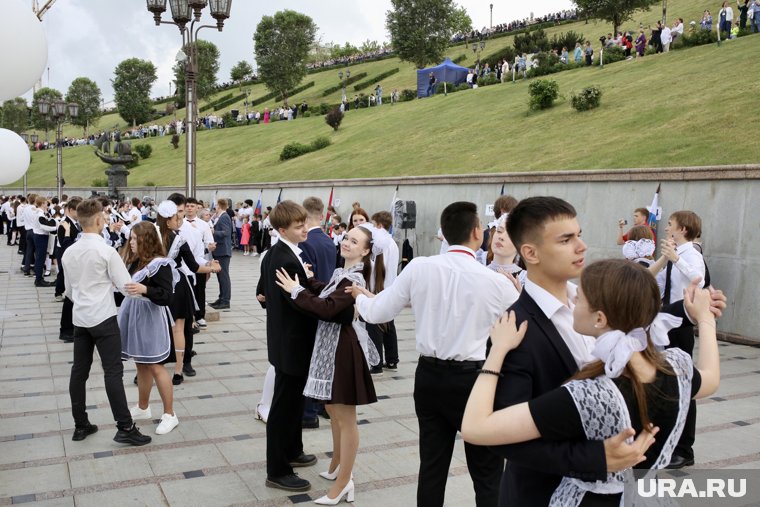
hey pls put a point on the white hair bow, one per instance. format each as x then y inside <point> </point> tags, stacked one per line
<point>381,239</point>
<point>615,348</point>
<point>167,209</point>
<point>638,249</point>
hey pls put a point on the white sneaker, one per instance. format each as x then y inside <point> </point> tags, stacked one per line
<point>139,414</point>
<point>255,254</point>
<point>246,254</point>
<point>201,322</point>
<point>168,423</point>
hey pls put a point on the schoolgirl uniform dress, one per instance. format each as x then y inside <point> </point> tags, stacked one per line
<point>339,369</point>
<point>599,408</point>
<point>513,269</point>
<point>145,321</point>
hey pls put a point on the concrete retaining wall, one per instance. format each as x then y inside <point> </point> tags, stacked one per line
<point>727,198</point>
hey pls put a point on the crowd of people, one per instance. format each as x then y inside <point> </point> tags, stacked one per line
<point>521,24</point>
<point>132,278</point>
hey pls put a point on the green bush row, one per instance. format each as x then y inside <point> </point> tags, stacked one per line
<point>349,81</point>
<point>270,96</point>
<point>293,150</point>
<point>229,102</point>
<point>460,58</point>
<point>215,102</point>
<point>376,79</point>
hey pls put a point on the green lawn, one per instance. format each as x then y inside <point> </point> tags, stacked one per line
<point>681,108</point>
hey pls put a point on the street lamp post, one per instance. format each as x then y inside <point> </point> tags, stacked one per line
<point>344,81</point>
<point>56,111</point>
<point>492,17</point>
<point>184,12</point>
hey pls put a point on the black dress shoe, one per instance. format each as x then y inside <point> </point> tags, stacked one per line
<point>44,283</point>
<point>177,379</point>
<point>310,424</point>
<point>289,483</point>
<point>391,366</point>
<point>214,303</point>
<point>188,370</point>
<point>132,436</point>
<point>221,306</point>
<point>304,460</point>
<point>677,462</point>
<point>83,432</point>
<point>196,330</point>
<point>66,337</point>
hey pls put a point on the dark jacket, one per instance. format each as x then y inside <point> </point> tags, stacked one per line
<point>66,240</point>
<point>223,236</point>
<point>290,333</point>
<point>319,251</point>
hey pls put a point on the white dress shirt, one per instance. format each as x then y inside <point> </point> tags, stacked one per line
<point>455,301</point>
<point>204,228</point>
<point>30,216</point>
<point>38,227</point>
<point>297,251</point>
<point>562,317</point>
<point>690,265</point>
<point>92,269</point>
<point>194,238</point>
<point>134,216</point>
<point>20,215</point>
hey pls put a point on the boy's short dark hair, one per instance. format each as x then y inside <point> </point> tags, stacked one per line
<point>642,211</point>
<point>136,201</point>
<point>342,225</point>
<point>458,220</point>
<point>383,219</point>
<point>527,219</point>
<point>73,203</point>
<point>286,213</point>
<point>177,198</point>
<point>191,200</point>
<point>88,210</point>
<point>689,221</point>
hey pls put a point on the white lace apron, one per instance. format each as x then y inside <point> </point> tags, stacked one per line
<point>184,270</point>
<point>604,414</point>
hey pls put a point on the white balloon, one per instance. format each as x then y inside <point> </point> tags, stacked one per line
<point>24,49</point>
<point>14,157</point>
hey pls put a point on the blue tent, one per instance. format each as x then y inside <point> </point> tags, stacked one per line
<point>448,72</point>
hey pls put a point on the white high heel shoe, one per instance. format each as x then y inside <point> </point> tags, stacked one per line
<point>330,476</point>
<point>348,491</point>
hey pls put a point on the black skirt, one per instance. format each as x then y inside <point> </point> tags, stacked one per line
<point>352,382</point>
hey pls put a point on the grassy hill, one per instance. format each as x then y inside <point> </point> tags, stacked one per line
<point>681,108</point>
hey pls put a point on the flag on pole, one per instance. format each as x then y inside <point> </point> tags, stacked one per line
<point>502,188</point>
<point>393,207</point>
<point>279,196</point>
<point>329,205</point>
<point>655,211</point>
<point>213,203</point>
<point>258,203</point>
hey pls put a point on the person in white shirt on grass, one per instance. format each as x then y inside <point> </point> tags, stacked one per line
<point>93,269</point>
<point>455,300</point>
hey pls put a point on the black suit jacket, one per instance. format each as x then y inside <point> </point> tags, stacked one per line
<point>64,239</point>
<point>290,333</point>
<point>540,364</point>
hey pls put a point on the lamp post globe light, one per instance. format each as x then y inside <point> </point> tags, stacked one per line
<point>57,112</point>
<point>182,13</point>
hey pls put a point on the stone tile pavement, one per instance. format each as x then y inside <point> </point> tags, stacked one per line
<point>216,456</point>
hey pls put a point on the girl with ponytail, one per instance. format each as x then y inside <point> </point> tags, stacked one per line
<point>633,384</point>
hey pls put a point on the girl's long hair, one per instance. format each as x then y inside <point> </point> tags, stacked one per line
<point>379,279</point>
<point>149,246</point>
<point>628,295</point>
<point>165,231</point>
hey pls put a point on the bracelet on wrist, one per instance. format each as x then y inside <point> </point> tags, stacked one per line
<point>491,372</point>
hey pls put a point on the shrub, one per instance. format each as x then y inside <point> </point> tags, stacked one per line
<point>349,81</point>
<point>507,53</point>
<point>232,100</point>
<point>144,150</point>
<point>567,39</point>
<point>293,150</point>
<point>698,38</point>
<point>149,184</point>
<point>588,98</point>
<point>532,42</point>
<point>488,80</point>
<point>543,93</point>
<point>462,86</point>
<point>613,54</point>
<point>334,118</point>
<point>324,108</point>
<point>99,182</point>
<point>407,95</point>
<point>229,121</point>
<point>306,114</point>
<point>460,58</point>
<point>320,142</point>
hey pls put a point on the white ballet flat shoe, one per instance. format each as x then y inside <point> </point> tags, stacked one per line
<point>348,492</point>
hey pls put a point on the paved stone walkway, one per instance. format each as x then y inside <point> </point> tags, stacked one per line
<point>216,456</point>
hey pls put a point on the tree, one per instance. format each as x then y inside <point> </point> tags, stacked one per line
<point>370,46</point>
<point>86,93</point>
<point>133,79</point>
<point>421,29</point>
<point>613,11</point>
<point>462,22</point>
<point>15,115</point>
<point>42,122</point>
<point>241,71</point>
<point>205,76</point>
<point>282,44</point>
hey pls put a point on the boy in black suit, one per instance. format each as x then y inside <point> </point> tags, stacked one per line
<point>290,340</point>
<point>67,233</point>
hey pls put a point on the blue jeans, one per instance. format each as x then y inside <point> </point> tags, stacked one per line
<point>755,26</point>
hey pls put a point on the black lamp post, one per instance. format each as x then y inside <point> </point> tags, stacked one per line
<point>344,81</point>
<point>184,12</point>
<point>57,112</point>
<point>491,17</point>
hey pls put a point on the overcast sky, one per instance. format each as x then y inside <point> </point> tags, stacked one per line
<point>90,37</point>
